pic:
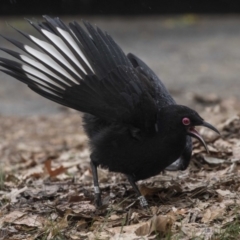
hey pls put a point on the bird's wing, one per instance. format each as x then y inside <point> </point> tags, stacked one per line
<point>83,70</point>
<point>162,96</point>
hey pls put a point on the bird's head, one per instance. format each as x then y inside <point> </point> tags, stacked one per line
<point>183,119</point>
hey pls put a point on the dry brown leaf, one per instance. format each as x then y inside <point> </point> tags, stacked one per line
<point>214,161</point>
<point>179,211</point>
<point>36,172</point>
<point>229,121</point>
<point>40,192</point>
<point>83,207</point>
<point>134,217</point>
<point>14,194</point>
<point>236,152</point>
<point>147,191</point>
<point>223,192</point>
<point>195,230</point>
<point>127,236</point>
<point>30,220</point>
<point>11,217</point>
<point>115,217</point>
<point>157,224</point>
<point>223,144</point>
<point>75,198</point>
<point>212,213</point>
<point>55,172</point>
<point>125,229</point>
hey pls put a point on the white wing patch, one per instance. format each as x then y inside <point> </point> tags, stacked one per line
<point>45,58</point>
<point>52,51</point>
<point>71,41</point>
<point>40,75</point>
<point>38,65</point>
<point>65,57</point>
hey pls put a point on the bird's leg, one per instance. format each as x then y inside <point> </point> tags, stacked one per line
<point>141,198</point>
<point>97,191</point>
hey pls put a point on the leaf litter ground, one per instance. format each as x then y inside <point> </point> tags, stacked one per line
<point>46,184</point>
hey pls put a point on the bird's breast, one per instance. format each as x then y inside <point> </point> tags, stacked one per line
<point>119,152</point>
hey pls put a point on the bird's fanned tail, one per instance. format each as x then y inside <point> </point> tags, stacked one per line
<point>84,70</point>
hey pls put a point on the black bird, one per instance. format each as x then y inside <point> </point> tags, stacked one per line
<point>134,125</point>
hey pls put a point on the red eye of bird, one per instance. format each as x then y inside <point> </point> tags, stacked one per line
<point>186,121</point>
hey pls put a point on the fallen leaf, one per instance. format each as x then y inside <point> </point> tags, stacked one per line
<point>147,191</point>
<point>30,220</point>
<point>223,192</point>
<point>11,217</point>
<point>55,172</point>
<point>212,213</point>
<point>236,152</point>
<point>14,193</point>
<point>214,161</point>
<point>196,230</point>
<point>157,224</point>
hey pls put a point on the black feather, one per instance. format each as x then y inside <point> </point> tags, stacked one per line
<point>134,125</point>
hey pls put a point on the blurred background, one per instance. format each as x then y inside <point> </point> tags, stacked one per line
<point>193,46</point>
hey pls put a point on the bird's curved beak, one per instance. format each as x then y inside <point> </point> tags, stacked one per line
<point>194,133</point>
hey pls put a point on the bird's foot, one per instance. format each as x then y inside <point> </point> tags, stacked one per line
<point>175,166</point>
<point>143,201</point>
<point>98,200</point>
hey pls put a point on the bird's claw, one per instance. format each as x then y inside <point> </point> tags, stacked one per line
<point>143,201</point>
<point>98,200</point>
